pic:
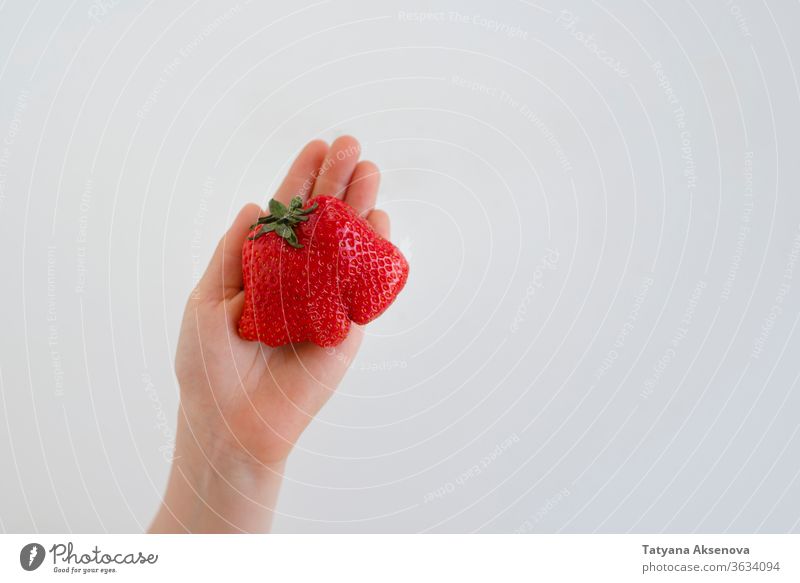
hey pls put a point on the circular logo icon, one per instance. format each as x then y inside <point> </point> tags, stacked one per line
<point>31,556</point>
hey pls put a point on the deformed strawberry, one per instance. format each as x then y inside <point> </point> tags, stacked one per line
<point>311,270</point>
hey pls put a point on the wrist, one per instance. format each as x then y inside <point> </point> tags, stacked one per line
<point>213,490</point>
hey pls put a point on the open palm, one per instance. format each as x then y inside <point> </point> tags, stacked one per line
<point>242,399</point>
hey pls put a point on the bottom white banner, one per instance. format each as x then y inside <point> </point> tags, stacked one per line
<point>354,558</point>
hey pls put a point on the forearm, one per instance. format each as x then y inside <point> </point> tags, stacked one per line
<point>208,493</point>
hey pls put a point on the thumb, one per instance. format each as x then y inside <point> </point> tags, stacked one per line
<point>223,276</point>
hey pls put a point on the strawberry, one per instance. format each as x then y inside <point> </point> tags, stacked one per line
<point>310,270</point>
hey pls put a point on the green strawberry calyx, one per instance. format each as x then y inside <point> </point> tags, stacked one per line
<point>282,220</point>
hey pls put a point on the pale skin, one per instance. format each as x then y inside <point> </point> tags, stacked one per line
<point>244,405</point>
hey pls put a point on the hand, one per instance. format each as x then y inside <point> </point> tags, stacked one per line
<point>243,404</point>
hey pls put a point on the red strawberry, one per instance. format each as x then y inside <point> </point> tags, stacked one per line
<point>308,271</point>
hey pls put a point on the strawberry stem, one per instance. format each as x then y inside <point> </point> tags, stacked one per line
<point>282,220</point>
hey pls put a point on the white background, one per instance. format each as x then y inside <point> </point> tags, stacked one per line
<point>600,208</point>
